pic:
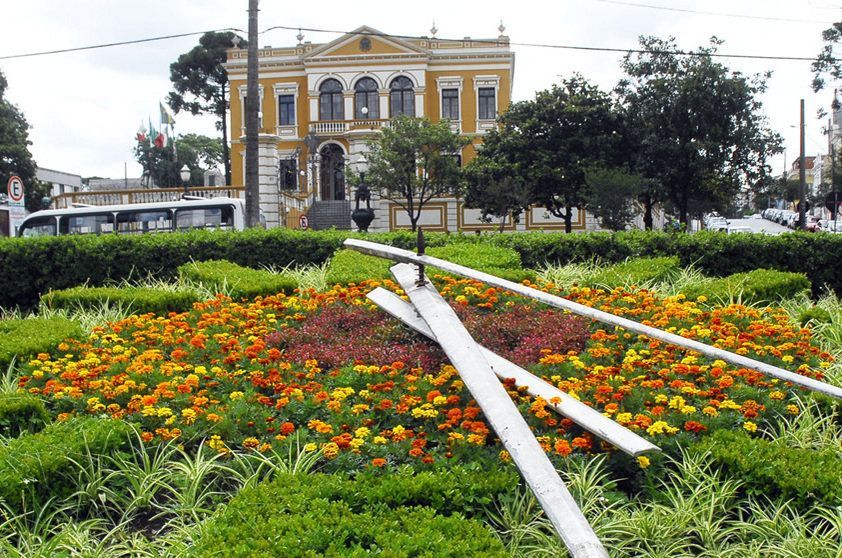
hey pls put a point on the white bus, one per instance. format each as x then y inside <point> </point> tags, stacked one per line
<point>138,218</point>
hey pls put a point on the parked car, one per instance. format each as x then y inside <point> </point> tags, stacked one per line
<point>783,216</point>
<point>738,229</point>
<point>812,223</point>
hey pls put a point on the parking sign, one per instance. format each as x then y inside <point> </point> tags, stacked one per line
<point>15,189</point>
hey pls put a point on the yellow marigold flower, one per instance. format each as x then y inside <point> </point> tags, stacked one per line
<point>362,432</point>
<point>710,411</point>
<point>624,418</point>
<point>477,439</point>
<point>379,440</point>
<point>164,412</point>
<point>824,364</point>
<point>750,426</point>
<point>676,402</point>
<point>701,298</point>
<point>440,400</point>
<point>687,410</point>
<point>729,404</point>
<point>189,416</point>
<point>310,447</point>
<point>792,409</point>
<point>330,450</point>
<point>504,456</point>
<point>236,395</point>
<point>356,442</point>
<point>398,430</point>
<point>251,442</point>
<point>777,395</point>
<point>454,436</point>
<point>643,461</point>
<point>149,411</point>
<point>661,427</point>
<point>661,398</point>
<point>788,359</point>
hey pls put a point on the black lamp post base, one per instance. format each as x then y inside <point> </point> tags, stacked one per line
<point>362,218</point>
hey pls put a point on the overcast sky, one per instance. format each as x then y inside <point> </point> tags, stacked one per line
<point>85,107</point>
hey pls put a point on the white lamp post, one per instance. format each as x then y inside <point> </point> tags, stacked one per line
<point>185,177</point>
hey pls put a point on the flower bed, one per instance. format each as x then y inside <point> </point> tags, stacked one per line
<point>334,370</point>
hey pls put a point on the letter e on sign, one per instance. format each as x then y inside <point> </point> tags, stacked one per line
<point>15,188</point>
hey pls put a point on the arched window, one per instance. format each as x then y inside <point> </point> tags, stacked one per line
<point>402,97</point>
<point>365,95</point>
<point>331,104</point>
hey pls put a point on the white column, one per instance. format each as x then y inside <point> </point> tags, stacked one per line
<point>268,179</point>
<point>384,102</point>
<point>314,107</point>
<point>419,101</point>
<point>348,97</point>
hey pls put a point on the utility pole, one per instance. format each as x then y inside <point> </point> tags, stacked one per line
<point>252,108</point>
<point>802,180</point>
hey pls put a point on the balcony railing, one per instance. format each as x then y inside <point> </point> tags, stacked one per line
<point>341,127</point>
<point>145,195</point>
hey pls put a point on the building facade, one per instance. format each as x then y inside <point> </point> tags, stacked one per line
<point>321,103</point>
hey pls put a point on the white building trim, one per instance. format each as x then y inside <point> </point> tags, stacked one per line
<point>286,131</point>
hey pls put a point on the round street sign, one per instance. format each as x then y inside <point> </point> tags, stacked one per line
<point>15,188</point>
<point>303,222</point>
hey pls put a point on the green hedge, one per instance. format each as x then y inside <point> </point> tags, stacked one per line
<point>637,271</point>
<point>21,413</point>
<point>423,515</point>
<point>765,468</point>
<point>349,266</point>
<point>40,466</point>
<point>237,281</point>
<point>32,266</point>
<point>27,337</point>
<point>140,299</point>
<point>760,285</point>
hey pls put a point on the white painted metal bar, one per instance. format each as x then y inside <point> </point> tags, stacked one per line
<point>400,255</point>
<point>586,417</point>
<point>503,416</point>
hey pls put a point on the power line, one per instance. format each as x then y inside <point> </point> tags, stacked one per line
<point>549,45</point>
<point>719,14</point>
<point>416,37</point>
<point>106,45</point>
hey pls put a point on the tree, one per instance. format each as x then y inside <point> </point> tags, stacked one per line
<point>611,195</point>
<point>826,63</point>
<point>697,127</point>
<point>15,158</point>
<point>163,164</point>
<point>552,140</point>
<point>200,84</point>
<point>496,189</point>
<point>413,161</point>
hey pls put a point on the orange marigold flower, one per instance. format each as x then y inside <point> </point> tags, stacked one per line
<point>378,462</point>
<point>287,428</point>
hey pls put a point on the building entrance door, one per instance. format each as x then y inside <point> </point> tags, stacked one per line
<point>332,172</point>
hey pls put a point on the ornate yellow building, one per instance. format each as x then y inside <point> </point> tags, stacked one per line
<point>321,103</point>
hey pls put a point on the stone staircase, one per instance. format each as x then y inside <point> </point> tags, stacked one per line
<point>330,214</point>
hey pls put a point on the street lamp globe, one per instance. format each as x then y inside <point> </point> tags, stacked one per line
<point>185,176</point>
<point>364,111</point>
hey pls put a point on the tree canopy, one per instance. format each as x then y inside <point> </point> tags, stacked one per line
<point>413,161</point>
<point>551,141</point>
<point>200,84</point>
<point>611,195</point>
<point>697,126</point>
<point>15,157</point>
<point>163,164</point>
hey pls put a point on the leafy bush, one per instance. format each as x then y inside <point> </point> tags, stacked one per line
<point>39,466</point>
<point>760,285</point>
<point>139,299</point>
<point>237,281</point>
<point>349,266</point>
<point>27,337</point>
<point>766,468</point>
<point>815,314</point>
<point>424,515</point>
<point>20,413</point>
<point>638,271</point>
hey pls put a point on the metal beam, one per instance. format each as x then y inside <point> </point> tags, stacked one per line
<point>586,417</point>
<point>502,415</point>
<point>405,256</point>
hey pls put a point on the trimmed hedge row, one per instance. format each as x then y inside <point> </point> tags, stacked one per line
<point>32,266</point>
<point>236,280</point>
<point>804,476</point>
<point>760,285</point>
<point>639,271</point>
<point>27,337</point>
<point>21,413</point>
<point>39,466</point>
<point>349,266</point>
<point>423,515</point>
<point>140,299</point>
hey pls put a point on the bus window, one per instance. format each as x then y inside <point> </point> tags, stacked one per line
<point>44,226</point>
<point>87,224</point>
<point>129,222</point>
<point>205,218</point>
